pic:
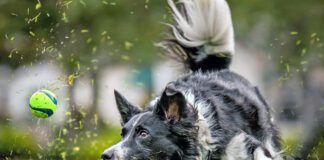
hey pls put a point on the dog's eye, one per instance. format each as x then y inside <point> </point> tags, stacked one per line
<point>143,134</point>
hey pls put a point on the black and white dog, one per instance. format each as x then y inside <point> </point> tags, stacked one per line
<point>210,113</point>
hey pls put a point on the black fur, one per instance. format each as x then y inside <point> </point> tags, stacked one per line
<point>212,62</point>
<point>186,55</point>
<point>206,114</point>
<point>234,106</point>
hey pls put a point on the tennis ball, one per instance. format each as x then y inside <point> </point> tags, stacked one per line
<point>43,103</point>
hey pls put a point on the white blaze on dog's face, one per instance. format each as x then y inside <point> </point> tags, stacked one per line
<point>165,132</point>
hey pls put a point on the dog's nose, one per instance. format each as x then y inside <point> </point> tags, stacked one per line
<point>108,155</point>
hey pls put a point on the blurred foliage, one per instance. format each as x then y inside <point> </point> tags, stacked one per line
<point>96,32</point>
<point>79,32</point>
<point>88,144</point>
<point>17,143</point>
<point>290,31</point>
<point>292,146</point>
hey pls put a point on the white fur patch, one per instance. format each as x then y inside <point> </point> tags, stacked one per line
<point>259,154</point>
<point>154,101</point>
<point>269,146</point>
<point>236,148</point>
<point>206,23</point>
<point>119,151</point>
<point>205,138</point>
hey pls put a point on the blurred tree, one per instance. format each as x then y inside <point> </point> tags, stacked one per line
<point>290,31</point>
<point>82,37</point>
<point>97,40</point>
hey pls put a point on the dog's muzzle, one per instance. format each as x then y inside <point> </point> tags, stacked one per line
<point>108,154</point>
<point>114,153</point>
<point>111,154</point>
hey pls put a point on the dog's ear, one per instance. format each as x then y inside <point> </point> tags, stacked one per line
<point>172,105</point>
<point>126,109</point>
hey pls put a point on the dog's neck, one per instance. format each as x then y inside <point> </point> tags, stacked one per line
<point>205,140</point>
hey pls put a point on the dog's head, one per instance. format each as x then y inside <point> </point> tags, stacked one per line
<point>164,131</point>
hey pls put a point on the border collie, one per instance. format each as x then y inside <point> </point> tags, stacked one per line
<point>209,113</point>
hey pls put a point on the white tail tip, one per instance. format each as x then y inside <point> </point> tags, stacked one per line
<point>206,23</point>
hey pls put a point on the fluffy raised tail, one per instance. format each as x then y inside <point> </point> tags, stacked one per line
<point>203,36</point>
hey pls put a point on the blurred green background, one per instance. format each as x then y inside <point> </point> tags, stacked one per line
<point>83,39</point>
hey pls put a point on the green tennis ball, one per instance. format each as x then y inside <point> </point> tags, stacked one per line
<point>43,104</point>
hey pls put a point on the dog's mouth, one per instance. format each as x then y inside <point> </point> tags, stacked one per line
<point>113,157</point>
<point>111,154</point>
